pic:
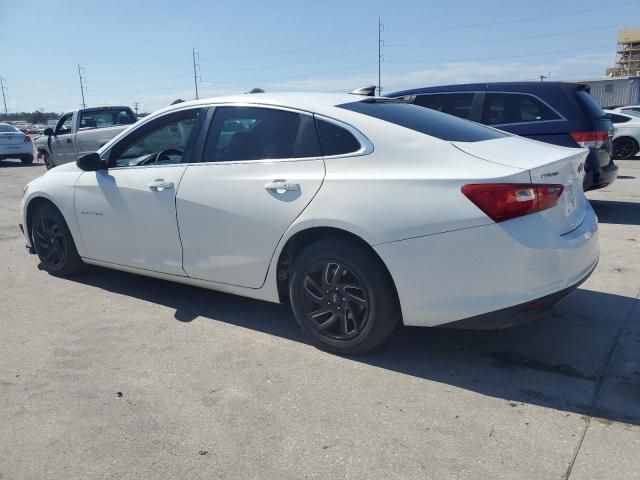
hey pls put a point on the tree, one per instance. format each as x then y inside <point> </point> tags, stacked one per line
<point>256,90</point>
<point>37,117</point>
<point>179,100</point>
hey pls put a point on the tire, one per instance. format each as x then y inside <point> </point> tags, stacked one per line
<point>53,242</point>
<point>47,160</point>
<point>625,148</point>
<point>27,159</point>
<point>342,297</point>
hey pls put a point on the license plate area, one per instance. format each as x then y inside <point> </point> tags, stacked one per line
<point>570,195</point>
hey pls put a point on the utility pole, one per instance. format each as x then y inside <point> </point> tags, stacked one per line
<point>380,43</point>
<point>135,107</point>
<point>4,98</point>
<point>83,84</point>
<point>196,67</point>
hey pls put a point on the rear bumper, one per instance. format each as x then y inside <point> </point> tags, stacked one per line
<point>473,272</point>
<point>16,151</point>
<point>597,176</point>
<point>518,314</point>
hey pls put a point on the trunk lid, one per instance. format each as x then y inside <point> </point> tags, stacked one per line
<point>11,138</point>
<point>547,164</point>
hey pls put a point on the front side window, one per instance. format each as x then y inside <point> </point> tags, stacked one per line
<point>161,143</point>
<point>259,133</point>
<point>106,117</point>
<point>458,104</point>
<point>64,124</point>
<point>505,108</point>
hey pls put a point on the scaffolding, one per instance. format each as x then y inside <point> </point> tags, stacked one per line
<point>627,54</point>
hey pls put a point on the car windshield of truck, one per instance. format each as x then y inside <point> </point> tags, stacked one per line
<point>106,117</point>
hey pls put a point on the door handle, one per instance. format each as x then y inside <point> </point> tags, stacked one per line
<point>159,184</point>
<point>281,186</point>
<point>68,140</point>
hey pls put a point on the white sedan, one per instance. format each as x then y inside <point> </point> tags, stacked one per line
<point>15,144</point>
<point>626,133</point>
<point>361,212</point>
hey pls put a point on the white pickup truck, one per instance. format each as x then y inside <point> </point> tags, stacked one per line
<point>81,132</point>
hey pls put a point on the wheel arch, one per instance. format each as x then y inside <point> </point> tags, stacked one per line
<point>307,236</point>
<point>31,207</point>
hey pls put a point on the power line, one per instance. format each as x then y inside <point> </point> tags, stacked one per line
<point>516,20</point>
<point>196,67</point>
<point>511,39</point>
<point>513,56</point>
<point>83,84</point>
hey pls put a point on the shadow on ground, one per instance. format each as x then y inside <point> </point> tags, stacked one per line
<point>17,163</point>
<point>622,213</point>
<point>558,361</point>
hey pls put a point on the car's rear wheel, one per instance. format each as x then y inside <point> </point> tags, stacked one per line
<point>53,242</point>
<point>27,159</point>
<point>625,148</point>
<point>342,297</point>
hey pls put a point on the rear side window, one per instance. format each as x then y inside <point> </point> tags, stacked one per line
<point>505,108</point>
<point>589,104</point>
<point>106,117</point>
<point>336,140</point>
<point>425,120</point>
<point>257,133</point>
<point>618,118</point>
<point>458,104</point>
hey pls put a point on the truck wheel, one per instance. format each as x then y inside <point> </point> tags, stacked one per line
<point>27,159</point>
<point>47,160</point>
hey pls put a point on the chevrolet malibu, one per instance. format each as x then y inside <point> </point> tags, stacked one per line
<point>360,212</point>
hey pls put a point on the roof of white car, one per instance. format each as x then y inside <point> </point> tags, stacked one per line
<point>301,100</point>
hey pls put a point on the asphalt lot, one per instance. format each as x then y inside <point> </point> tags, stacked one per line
<point>112,375</point>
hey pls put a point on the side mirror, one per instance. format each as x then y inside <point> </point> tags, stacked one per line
<point>91,163</point>
<point>48,132</point>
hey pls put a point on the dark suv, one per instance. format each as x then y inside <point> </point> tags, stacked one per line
<point>554,112</point>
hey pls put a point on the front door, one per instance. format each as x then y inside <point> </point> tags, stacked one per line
<point>127,214</point>
<point>61,143</point>
<point>261,168</point>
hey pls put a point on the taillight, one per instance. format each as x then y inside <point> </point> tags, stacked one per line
<point>502,201</point>
<point>27,139</point>
<point>590,139</point>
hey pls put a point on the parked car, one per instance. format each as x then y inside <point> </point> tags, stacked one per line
<point>15,144</point>
<point>80,132</point>
<point>633,109</point>
<point>626,133</point>
<point>360,212</point>
<point>553,112</point>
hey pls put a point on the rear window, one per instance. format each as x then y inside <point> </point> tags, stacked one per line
<point>425,120</point>
<point>589,104</point>
<point>8,129</point>
<point>336,140</point>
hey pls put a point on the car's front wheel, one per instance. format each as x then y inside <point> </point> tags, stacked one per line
<point>625,148</point>
<point>53,242</point>
<point>342,297</point>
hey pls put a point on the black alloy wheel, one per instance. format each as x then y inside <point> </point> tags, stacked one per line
<point>624,148</point>
<point>53,242</point>
<point>335,302</point>
<point>342,296</point>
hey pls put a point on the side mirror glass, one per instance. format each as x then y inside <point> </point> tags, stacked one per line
<point>48,132</point>
<point>91,163</point>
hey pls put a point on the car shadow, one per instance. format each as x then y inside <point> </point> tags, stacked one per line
<point>11,163</point>
<point>622,213</point>
<point>558,361</point>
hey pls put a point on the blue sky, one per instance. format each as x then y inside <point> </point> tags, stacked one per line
<point>140,51</point>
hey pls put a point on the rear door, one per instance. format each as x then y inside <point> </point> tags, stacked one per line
<point>99,125</point>
<point>260,168</point>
